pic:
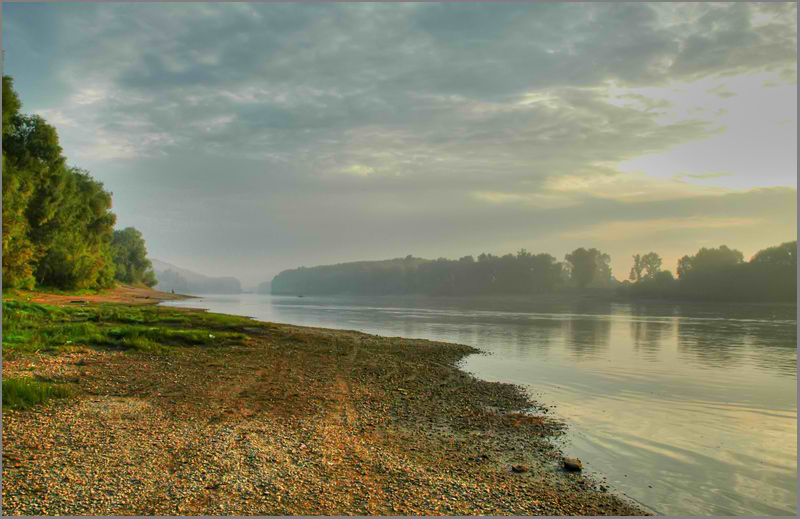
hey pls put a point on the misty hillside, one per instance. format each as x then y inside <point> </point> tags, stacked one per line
<point>184,281</point>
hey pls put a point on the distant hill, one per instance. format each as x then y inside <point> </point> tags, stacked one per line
<point>264,288</point>
<point>184,281</point>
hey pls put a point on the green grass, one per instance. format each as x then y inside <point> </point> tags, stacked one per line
<point>31,327</point>
<point>21,393</point>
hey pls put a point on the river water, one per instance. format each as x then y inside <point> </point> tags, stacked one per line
<point>690,409</point>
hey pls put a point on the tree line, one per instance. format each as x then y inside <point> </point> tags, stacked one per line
<point>58,228</point>
<point>719,274</point>
<point>521,273</point>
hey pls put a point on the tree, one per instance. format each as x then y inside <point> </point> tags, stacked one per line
<point>709,258</point>
<point>11,105</point>
<point>19,252</point>
<point>652,264</point>
<point>602,275</point>
<point>583,264</point>
<point>76,239</point>
<point>57,220</point>
<point>637,268</point>
<point>784,254</point>
<point>130,256</point>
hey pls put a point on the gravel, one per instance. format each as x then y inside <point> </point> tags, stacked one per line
<point>299,421</point>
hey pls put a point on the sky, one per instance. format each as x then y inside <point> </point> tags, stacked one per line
<point>245,139</point>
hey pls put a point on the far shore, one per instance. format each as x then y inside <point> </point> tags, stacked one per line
<point>272,419</point>
<point>590,295</point>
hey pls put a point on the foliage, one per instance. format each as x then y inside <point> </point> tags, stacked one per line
<point>57,220</point>
<point>784,255</point>
<point>19,252</point>
<point>645,267</point>
<point>523,273</point>
<point>11,104</point>
<point>589,267</point>
<point>721,274</point>
<point>130,257</point>
<point>709,258</point>
<point>636,269</point>
<point>77,253</point>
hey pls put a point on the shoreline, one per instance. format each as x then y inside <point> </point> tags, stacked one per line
<point>295,420</point>
<point>593,296</point>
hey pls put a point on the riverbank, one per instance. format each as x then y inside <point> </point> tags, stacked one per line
<point>232,416</point>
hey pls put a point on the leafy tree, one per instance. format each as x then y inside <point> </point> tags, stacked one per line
<point>589,266</point>
<point>19,253</point>
<point>57,220</point>
<point>11,105</point>
<point>709,258</point>
<point>130,256</point>
<point>784,254</point>
<point>637,268</point>
<point>583,265</point>
<point>77,238</point>
<point>652,264</point>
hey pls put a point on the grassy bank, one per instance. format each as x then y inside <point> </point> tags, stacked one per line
<point>180,412</point>
<point>32,327</point>
<point>22,393</point>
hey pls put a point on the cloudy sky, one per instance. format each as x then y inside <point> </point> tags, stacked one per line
<point>244,139</point>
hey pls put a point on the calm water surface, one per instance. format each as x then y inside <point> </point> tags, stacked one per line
<point>690,409</point>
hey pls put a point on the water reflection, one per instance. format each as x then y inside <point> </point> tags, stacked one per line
<point>587,337</point>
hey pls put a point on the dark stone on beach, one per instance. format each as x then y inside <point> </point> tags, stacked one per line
<point>573,464</point>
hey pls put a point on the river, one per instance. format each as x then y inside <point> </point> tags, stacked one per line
<point>690,409</point>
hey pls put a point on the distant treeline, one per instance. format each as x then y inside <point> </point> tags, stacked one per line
<point>718,274</point>
<point>721,274</point>
<point>58,228</point>
<point>522,273</point>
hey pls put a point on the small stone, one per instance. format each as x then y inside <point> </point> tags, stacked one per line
<point>573,464</point>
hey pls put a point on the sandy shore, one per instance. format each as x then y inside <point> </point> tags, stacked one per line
<point>294,421</point>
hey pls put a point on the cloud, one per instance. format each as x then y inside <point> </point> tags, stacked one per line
<point>292,130</point>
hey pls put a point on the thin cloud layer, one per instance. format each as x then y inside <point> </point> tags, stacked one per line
<point>248,138</point>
